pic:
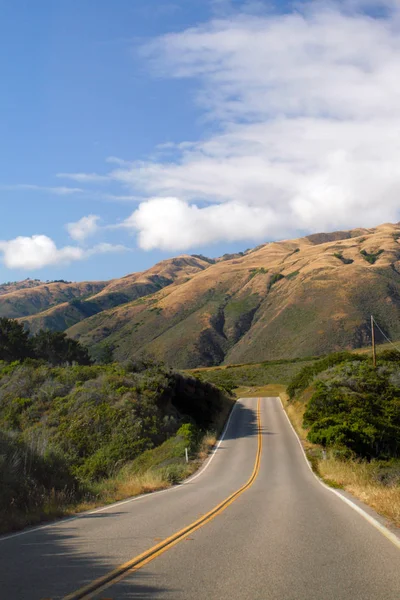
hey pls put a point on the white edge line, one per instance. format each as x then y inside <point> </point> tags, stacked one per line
<point>129,500</point>
<point>381,528</point>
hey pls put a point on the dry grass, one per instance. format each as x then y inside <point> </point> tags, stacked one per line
<point>270,390</point>
<point>356,477</point>
<point>114,490</point>
<point>207,444</point>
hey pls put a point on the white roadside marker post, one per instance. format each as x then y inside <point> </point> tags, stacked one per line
<point>186,455</point>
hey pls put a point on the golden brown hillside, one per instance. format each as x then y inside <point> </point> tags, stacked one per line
<point>28,300</point>
<point>117,292</point>
<point>14,286</point>
<point>284,299</point>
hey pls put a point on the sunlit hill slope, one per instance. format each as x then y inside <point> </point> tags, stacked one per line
<point>284,299</point>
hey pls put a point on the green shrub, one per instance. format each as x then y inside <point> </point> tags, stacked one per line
<point>27,474</point>
<point>259,271</point>
<point>292,274</point>
<point>357,407</point>
<point>371,257</point>
<point>275,278</point>
<point>345,261</point>
<point>303,379</point>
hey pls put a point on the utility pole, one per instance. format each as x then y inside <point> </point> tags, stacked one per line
<point>373,342</point>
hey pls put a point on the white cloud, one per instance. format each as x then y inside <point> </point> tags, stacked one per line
<point>59,190</point>
<point>84,228</point>
<point>190,225</point>
<point>307,108</point>
<point>106,248</point>
<point>84,177</point>
<point>38,251</point>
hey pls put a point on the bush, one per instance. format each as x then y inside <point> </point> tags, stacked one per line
<point>345,261</point>
<point>371,257</point>
<point>356,407</point>
<point>28,475</point>
<point>303,379</point>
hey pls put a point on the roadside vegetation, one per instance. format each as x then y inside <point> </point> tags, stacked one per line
<point>243,379</point>
<point>73,436</point>
<point>348,415</point>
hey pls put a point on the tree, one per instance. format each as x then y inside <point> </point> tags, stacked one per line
<point>14,341</point>
<point>56,348</point>
<point>105,355</point>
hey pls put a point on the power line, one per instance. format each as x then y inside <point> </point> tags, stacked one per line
<point>385,336</point>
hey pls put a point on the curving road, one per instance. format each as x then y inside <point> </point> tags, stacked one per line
<point>285,537</point>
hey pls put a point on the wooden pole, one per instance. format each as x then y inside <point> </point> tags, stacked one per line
<point>373,342</point>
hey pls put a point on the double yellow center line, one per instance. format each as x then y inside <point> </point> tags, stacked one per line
<point>102,583</point>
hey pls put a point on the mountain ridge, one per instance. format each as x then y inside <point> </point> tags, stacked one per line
<point>285,299</point>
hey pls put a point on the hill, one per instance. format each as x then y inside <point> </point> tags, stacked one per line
<point>20,301</point>
<point>288,299</point>
<point>13,286</point>
<point>285,299</point>
<point>116,293</point>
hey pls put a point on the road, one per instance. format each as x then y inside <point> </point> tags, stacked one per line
<point>285,537</point>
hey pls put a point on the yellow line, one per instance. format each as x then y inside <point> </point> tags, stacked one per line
<point>98,585</point>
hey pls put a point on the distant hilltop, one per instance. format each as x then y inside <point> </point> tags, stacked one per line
<point>287,299</point>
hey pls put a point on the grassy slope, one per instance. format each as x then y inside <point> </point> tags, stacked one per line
<point>116,293</point>
<point>237,310</point>
<point>30,300</point>
<point>246,378</point>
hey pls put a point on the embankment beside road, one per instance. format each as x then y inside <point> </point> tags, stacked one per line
<point>347,415</point>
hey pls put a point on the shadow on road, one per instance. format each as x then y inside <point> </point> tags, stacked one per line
<point>52,563</point>
<point>244,424</point>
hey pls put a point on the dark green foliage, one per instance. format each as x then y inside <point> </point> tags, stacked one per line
<point>105,354</point>
<point>98,418</point>
<point>28,472</point>
<point>14,341</point>
<point>345,261</point>
<point>275,278</point>
<point>357,407</point>
<point>260,271</point>
<point>292,275</point>
<point>196,399</point>
<point>371,257</point>
<point>205,258</point>
<point>389,356</point>
<point>303,379</point>
<point>53,347</point>
<point>86,308</point>
<point>56,348</point>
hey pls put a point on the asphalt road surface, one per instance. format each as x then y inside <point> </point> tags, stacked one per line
<point>284,537</point>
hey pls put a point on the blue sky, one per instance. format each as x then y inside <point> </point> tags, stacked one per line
<point>189,126</point>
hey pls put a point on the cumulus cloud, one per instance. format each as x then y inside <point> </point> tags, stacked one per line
<point>38,251</point>
<point>303,115</point>
<point>188,224</point>
<point>307,114</point>
<point>84,228</point>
